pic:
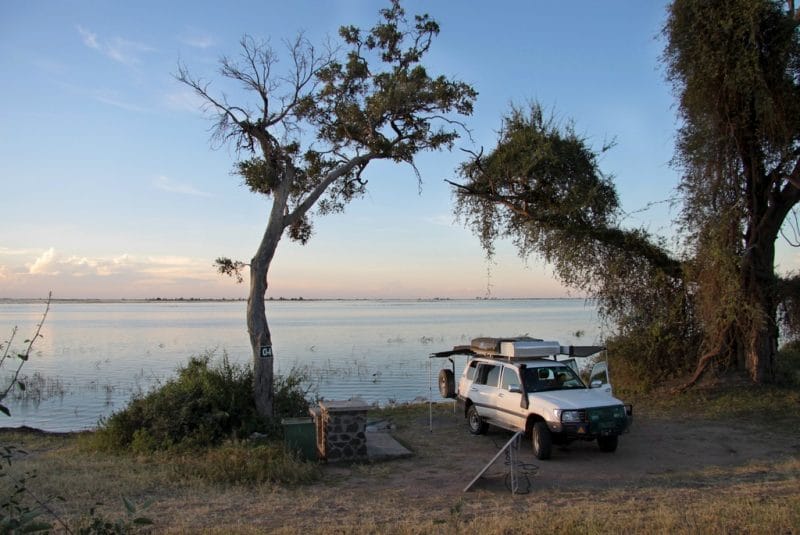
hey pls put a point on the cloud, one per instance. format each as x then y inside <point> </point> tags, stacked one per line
<point>89,38</point>
<point>112,99</point>
<point>53,263</point>
<point>172,186</point>
<point>118,49</point>
<point>5,251</point>
<point>79,275</point>
<point>109,97</point>
<point>197,39</point>
<point>185,100</point>
<point>45,264</point>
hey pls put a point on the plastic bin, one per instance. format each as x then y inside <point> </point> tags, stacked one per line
<point>300,434</point>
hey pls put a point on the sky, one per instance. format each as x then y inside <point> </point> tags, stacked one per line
<point>112,188</point>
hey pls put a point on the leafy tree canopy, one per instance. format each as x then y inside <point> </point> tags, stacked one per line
<point>735,66</point>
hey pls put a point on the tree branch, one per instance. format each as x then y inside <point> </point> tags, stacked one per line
<point>317,192</point>
<point>624,240</point>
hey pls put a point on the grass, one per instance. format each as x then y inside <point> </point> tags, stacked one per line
<point>240,488</point>
<point>727,398</point>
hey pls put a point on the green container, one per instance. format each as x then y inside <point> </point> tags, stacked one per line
<point>300,434</point>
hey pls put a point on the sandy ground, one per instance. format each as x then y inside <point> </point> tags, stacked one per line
<point>652,448</point>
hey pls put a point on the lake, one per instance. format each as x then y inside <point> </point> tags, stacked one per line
<point>94,356</point>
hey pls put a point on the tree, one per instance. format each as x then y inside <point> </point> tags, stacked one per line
<point>309,134</point>
<point>735,67</point>
<point>542,188</point>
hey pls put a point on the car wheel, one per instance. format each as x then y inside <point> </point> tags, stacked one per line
<point>476,424</point>
<point>608,444</point>
<point>541,441</point>
<point>447,384</point>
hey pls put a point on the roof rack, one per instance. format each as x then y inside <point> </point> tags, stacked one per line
<point>518,348</point>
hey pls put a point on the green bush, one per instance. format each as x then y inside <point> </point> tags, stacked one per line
<point>206,404</point>
<point>640,361</point>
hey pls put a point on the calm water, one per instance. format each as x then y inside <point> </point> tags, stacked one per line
<point>95,356</point>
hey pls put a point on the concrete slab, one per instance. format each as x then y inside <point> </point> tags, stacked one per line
<point>382,446</point>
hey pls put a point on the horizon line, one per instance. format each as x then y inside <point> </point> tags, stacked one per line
<point>24,300</point>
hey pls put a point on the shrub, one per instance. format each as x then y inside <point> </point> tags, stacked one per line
<point>204,405</point>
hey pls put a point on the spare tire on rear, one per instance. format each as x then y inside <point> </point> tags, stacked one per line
<point>447,383</point>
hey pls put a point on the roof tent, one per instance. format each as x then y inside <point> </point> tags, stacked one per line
<point>518,348</point>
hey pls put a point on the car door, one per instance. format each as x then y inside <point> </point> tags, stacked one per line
<point>599,378</point>
<point>572,363</point>
<point>509,400</point>
<point>467,379</point>
<point>483,391</point>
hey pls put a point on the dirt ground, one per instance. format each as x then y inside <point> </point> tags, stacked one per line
<point>657,457</point>
<point>653,448</point>
<point>679,462</point>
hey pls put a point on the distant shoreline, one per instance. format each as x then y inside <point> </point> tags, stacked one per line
<point>33,301</point>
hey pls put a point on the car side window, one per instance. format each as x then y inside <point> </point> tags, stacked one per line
<point>545,374</point>
<point>493,377</point>
<point>599,376</point>
<point>481,373</point>
<point>471,370</point>
<point>510,378</point>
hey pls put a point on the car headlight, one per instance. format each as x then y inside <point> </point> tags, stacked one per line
<point>569,417</point>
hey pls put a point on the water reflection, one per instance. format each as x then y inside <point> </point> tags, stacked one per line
<point>95,356</point>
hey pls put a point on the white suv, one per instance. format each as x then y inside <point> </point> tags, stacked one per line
<point>514,386</point>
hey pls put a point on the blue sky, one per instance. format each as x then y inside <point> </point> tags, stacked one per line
<point>112,189</point>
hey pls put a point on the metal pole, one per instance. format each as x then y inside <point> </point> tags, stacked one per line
<point>430,394</point>
<point>513,455</point>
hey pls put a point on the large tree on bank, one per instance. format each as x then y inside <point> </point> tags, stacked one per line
<point>735,66</point>
<point>308,135</point>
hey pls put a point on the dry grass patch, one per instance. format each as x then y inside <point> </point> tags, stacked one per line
<point>211,492</point>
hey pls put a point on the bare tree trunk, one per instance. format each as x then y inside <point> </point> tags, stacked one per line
<point>759,284</point>
<point>257,325</point>
<point>760,357</point>
<point>260,340</point>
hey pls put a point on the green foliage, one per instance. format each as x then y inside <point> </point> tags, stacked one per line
<point>206,404</point>
<point>734,68</point>
<point>306,135</point>
<point>133,522</point>
<point>231,268</point>
<point>539,186</point>
<point>309,133</point>
<point>542,187</point>
<point>291,394</point>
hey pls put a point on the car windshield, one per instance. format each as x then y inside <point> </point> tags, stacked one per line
<point>551,378</point>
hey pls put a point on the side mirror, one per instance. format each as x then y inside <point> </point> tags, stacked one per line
<point>514,389</point>
<point>597,383</point>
